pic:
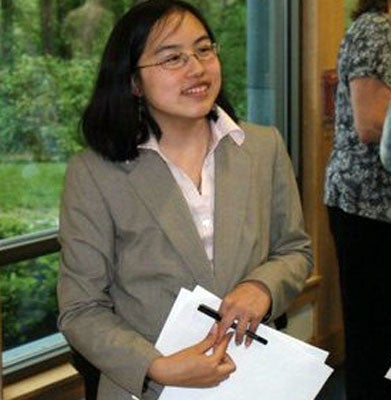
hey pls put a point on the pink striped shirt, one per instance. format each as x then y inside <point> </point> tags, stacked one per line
<point>201,203</point>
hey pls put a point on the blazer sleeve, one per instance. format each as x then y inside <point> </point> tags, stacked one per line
<point>87,317</point>
<point>289,260</point>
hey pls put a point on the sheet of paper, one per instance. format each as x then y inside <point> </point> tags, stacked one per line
<point>284,369</point>
<point>213,301</point>
<point>388,374</point>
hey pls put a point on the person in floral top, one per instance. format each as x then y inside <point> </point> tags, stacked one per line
<point>358,196</point>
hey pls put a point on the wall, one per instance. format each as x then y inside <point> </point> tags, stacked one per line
<point>323,28</point>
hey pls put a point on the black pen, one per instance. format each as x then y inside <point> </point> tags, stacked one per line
<point>215,315</point>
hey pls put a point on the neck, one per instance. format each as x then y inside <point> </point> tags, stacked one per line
<point>182,134</point>
<point>187,146</point>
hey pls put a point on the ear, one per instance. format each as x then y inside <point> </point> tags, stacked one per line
<point>136,91</point>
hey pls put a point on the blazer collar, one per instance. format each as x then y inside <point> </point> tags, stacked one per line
<point>156,187</point>
<point>154,184</point>
<point>232,184</point>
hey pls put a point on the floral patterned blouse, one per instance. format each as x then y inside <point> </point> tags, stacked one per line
<point>356,181</point>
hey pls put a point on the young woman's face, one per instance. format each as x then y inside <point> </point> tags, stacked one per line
<point>187,92</point>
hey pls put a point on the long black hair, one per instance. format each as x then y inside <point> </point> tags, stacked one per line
<point>114,123</point>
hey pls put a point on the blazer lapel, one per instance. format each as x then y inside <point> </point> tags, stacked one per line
<point>156,187</point>
<point>233,176</point>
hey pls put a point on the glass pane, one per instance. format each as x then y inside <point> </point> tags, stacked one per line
<point>28,299</point>
<point>29,195</point>
<point>45,84</point>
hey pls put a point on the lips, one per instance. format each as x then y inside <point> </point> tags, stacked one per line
<point>196,89</point>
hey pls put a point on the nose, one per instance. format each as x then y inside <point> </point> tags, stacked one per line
<point>194,64</point>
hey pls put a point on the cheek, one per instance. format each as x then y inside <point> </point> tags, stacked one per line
<point>156,87</point>
<point>217,75</point>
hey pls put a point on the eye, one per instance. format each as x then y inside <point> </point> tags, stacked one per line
<point>172,59</point>
<point>205,50</point>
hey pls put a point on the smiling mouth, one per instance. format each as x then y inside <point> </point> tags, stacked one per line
<point>201,89</point>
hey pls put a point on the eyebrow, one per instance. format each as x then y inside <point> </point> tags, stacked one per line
<point>162,48</point>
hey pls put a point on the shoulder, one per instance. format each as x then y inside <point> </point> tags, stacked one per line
<point>365,50</point>
<point>265,137</point>
<point>265,146</point>
<point>89,159</point>
<point>88,165</point>
<point>371,27</point>
<point>372,21</point>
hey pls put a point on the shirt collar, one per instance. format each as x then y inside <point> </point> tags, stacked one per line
<point>224,126</point>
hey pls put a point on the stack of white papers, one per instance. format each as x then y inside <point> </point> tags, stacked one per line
<point>283,369</point>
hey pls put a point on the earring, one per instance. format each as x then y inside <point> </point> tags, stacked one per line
<point>141,109</point>
<point>134,87</point>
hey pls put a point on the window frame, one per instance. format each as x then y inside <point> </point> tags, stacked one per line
<point>22,248</point>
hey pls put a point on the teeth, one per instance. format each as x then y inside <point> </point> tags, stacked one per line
<point>198,89</point>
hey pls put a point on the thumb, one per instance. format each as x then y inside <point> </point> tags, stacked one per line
<point>221,349</point>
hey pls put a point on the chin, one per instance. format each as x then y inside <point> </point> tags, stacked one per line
<point>202,112</point>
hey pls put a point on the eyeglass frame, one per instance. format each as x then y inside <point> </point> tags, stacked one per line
<point>215,47</point>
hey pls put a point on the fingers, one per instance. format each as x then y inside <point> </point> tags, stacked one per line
<point>226,365</point>
<point>244,307</point>
<point>208,342</point>
<point>220,350</point>
<point>238,321</point>
<point>228,318</point>
<point>241,328</point>
<point>211,370</point>
<point>226,368</point>
<point>253,328</point>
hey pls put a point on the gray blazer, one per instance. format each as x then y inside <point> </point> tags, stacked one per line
<point>129,244</point>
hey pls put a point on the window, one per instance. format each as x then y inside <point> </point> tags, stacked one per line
<point>46,75</point>
<point>273,68</point>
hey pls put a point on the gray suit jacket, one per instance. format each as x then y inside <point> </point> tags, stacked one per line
<point>129,244</point>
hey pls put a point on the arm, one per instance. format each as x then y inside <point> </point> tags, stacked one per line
<point>275,283</point>
<point>370,98</point>
<point>368,69</point>
<point>87,316</point>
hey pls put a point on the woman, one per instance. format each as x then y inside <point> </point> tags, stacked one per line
<point>358,196</point>
<point>172,193</point>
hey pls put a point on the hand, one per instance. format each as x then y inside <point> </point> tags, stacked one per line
<point>191,367</point>
<point>247,304</point>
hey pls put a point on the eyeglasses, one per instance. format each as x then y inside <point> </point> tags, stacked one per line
<point>178,60</point>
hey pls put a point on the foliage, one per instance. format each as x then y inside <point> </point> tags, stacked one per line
<point>42,99</point>
<point>29,197</point>
<point>30,185</point>
<point>232,41</point>
<point>29,304</point>
<point>29,200</point>
<point>233,54</point>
